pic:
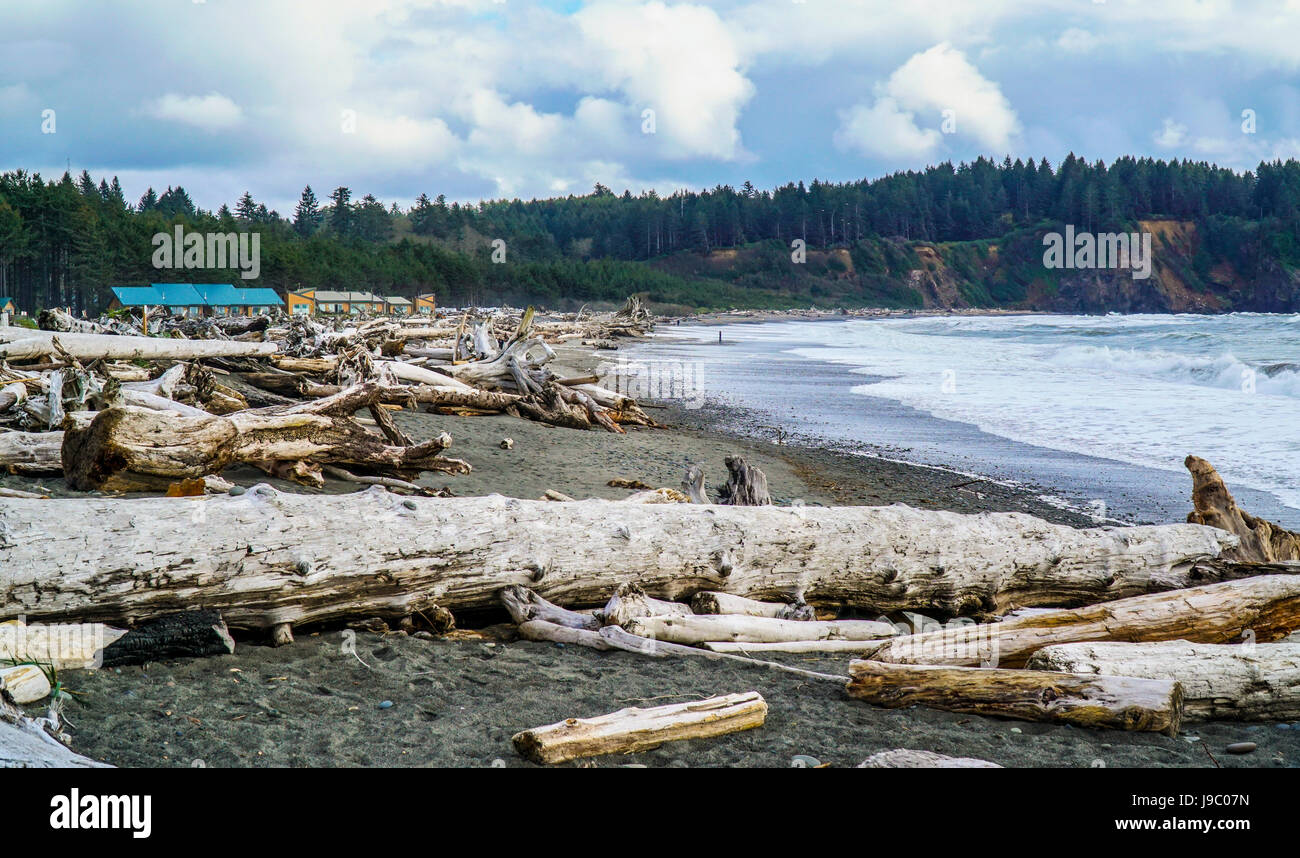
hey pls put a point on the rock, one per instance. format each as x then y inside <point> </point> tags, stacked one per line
<point>507,443</point>
<point>236,491</point>
<point>387,704</point>
<point>803,761</point>
<point>1241,747</point>
<point>901,758</point>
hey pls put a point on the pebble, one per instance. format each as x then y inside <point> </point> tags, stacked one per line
<point>1284,726</point>
<point>409,504</point>
<point>803,761</point>
<point>1241,747</point>
<point>387,704</point>
<point>1016,730</point>
<point>236,491</point>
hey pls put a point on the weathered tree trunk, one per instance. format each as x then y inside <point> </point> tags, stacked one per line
<point>1261,541</point>
<point>630,602</point>
<point>746,485</point>
<point>25,683</point>
<point>25,344</point>
<point>266,557</point>
<point>1268,607</point>
<point>25,743</point>
<point>629,730</point>
<point>702,628</point>
<point>1244,682</point>
<point>817,647</point>
<point>1114,702</point>
<point>133,448</point>
<point>726,603</point>
<point>31,452</point>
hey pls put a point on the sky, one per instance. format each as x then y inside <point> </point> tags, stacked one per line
<point>485,99</point>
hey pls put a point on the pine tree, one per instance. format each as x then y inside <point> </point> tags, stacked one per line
<point>307,217</point>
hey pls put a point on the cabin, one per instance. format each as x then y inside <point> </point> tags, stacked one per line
<point>348,303</point>
<point>425,304</point>
<point>396,305</point>
<point>301,303</point>
<point>223,299</point>
<point>8,305</point>
<point>176,298</point>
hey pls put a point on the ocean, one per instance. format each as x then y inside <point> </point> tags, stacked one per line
<point>1098,410</point>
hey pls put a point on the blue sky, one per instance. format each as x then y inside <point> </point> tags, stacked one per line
<point>478,98</point>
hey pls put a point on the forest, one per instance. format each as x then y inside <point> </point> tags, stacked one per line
<point>64,242</point>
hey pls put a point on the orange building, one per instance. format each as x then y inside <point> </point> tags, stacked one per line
<point>301,303</point>
<point>425,304</point>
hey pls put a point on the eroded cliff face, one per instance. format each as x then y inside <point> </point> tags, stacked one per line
<point>1175,286</point>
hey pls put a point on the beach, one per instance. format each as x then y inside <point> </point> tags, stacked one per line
<point>458,700</point>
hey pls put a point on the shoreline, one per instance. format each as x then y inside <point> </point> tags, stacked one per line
<point>457,700</point>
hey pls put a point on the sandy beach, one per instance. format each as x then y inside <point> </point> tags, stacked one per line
<point>457,701</point>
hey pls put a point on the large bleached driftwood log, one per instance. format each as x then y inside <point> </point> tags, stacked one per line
<point>725,603</point>
<point>1261,541</point>
<point>1267,607</point>
<point>702,628</point>
<point>1115,702</point>
<point>266,557</point>
<point>26,344</point>
<point>1245,682</point>
<point>127,448</point>
<point>629,730</point>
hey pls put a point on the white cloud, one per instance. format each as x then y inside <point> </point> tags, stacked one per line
<point>211,112</point>
<point>884,130</point>
<point>1076,41</point>
<point>1170,135</point>
<point>932,82</point>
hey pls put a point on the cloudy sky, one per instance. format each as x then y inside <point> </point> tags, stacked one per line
<point>484,98</point>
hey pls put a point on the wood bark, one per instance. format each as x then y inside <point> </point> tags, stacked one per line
<point>630,730</point>
<point>1267,607</point>
<point>129,448</point>
<point>192,634</point>
<point>701,628</point>
<point>745,486</point>
<point>1241,682</point>
<point>1112,702</point>
<point>265,557</point>
<point>1261,541</point>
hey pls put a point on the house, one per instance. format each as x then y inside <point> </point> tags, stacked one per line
<point>301,303</point>
<point>179,298</point>
<point>396,305</point>
<point>223,299</point>
<point>8,305</point>
<point>425,304</point>
<point>348,303</point>
<point>214,299</point>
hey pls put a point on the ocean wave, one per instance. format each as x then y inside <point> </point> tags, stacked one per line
<point>1223,370</point>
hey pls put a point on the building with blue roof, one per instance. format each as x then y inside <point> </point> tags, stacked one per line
<point>195,299</point>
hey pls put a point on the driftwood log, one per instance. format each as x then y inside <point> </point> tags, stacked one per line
<point>129,448</point>
<point>31,452</point>
<point>904,758</point>
<point>630,730</point>
<point>266,557</point>
<point>1265,608</point>
<point>725,603</point>
<point>703,628</point>
<point>1243,682</point>
<point>26,344</point>
<point>30,743</point>
<point>1115,702</point>
<point>1261,541</point>
<point>745,486</point>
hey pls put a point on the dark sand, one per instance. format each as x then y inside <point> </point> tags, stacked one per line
<point>457,702</point>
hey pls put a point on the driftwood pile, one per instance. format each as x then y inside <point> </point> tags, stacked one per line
<point>113,409</point>
<point>1174,639</point>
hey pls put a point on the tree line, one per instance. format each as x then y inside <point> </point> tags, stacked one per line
<point>64,242</point>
